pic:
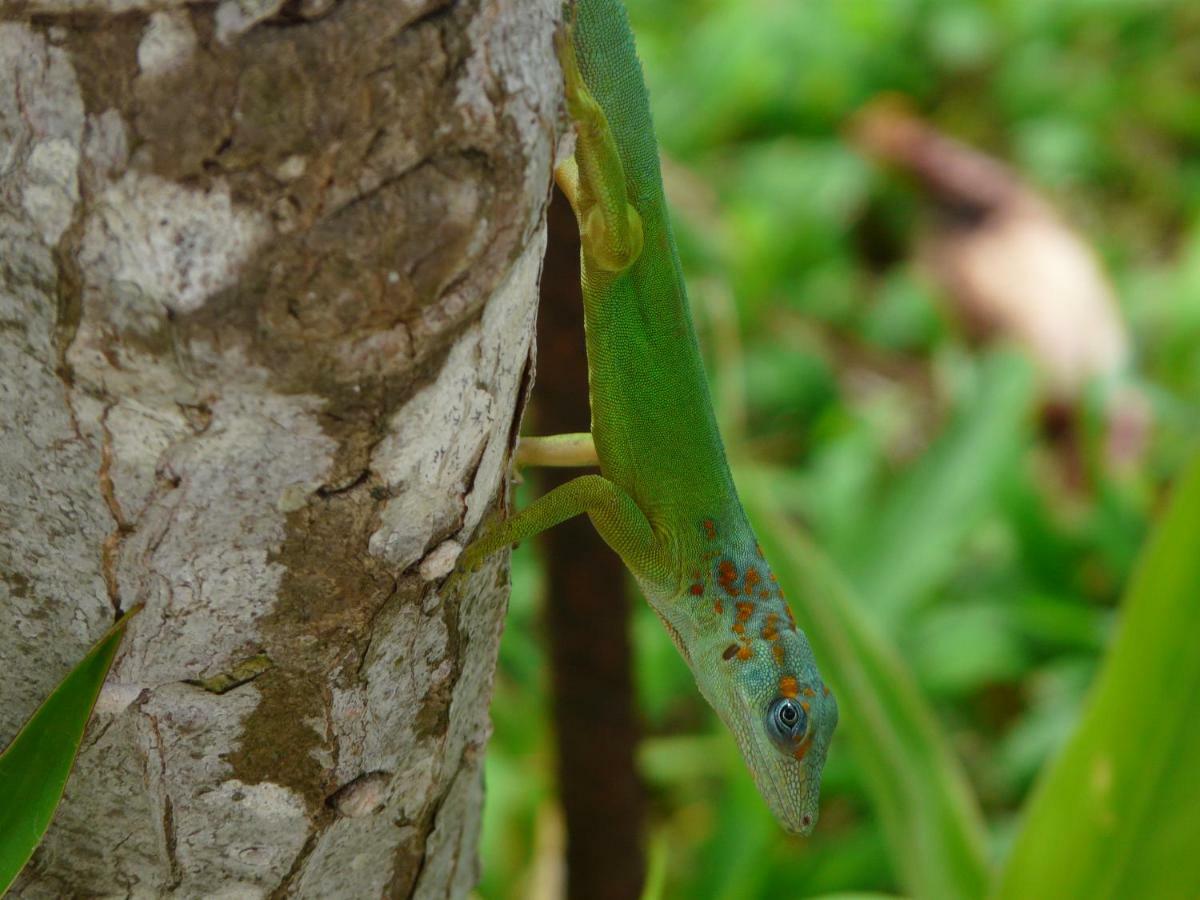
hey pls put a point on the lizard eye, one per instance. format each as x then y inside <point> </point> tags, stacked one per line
<point>787,722</point>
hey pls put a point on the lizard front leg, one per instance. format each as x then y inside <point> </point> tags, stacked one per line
<point>616,517</point>
<point>557,450</point>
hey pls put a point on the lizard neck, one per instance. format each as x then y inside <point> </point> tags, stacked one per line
<point>728,605</point>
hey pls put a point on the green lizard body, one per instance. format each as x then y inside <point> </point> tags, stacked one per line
<point>664,498</point>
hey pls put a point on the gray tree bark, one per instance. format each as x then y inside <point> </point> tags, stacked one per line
<point>268,276</point>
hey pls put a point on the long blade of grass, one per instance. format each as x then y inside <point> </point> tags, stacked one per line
<point>1115,816</point>
<point>35,766</point>
<point>915,539</point>
<point>929,816</point>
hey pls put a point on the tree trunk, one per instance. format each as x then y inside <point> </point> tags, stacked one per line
<point>268,277</point>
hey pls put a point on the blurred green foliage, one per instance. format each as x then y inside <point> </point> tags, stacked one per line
<point>1116,815</point>
<point>912,459</point>
<point>927,812</point>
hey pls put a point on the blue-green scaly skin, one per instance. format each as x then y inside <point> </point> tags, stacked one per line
<point>656,437</point>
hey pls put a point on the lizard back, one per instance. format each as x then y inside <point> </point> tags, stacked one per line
<point>652,416</point>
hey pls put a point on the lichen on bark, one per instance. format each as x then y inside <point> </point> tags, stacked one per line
<point>243,244</point>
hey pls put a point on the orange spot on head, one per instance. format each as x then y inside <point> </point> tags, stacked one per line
<point>764,595</point>
<point>791,618</point>
<point>801,750</point>
<point>719,607</point>
<point>809,692</point>
<point>727,577</point>
<point>739,628</point>
<point>745,652</point>
<point>710,529</point>
<point>770,633</point>
<point>788,686</point>
<point>758,550</point>
<point>825,690</point>
<point>773,578</point>
<point>804,705</point>
<point>744,610</point>
<point>696,590</point>
<point>752,578</point>
<point>778,652</point>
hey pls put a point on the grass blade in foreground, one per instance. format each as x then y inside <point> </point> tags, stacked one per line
<point>35,766</point>
<point>1116,815</point>
<point>931,822</point>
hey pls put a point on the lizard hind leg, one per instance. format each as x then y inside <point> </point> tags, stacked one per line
<point>593,180</point>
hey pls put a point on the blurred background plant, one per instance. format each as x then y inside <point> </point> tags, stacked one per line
<point>985,552</point>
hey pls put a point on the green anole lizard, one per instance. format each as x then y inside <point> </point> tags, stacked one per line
<point>664,499</point>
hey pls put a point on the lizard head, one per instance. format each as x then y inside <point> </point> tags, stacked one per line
<point>734,629</point>
<point>770,695</point>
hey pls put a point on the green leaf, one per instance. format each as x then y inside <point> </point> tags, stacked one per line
<point>35,766</point>
<point>1116,814</point>
<point>930,819</point>
<point>915,539</point>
